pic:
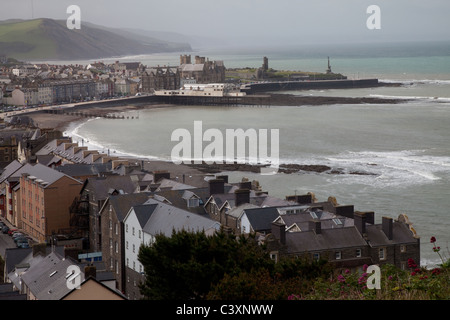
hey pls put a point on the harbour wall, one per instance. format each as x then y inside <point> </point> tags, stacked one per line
<point>308,85</point>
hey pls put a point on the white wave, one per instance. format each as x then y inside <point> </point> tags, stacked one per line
<point>418,98</point>
<point>416,81</point>
<point>391,168</point>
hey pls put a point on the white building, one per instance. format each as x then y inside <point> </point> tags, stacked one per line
<point>203,90</point>
<point>144,222</point>
<point>45,94</point>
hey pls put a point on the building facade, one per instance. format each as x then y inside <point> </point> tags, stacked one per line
<point>45,196</point>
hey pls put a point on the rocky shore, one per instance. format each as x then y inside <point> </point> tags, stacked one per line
<point>283,168</point>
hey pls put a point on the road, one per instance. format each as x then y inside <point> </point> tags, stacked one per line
<point>5,242</point>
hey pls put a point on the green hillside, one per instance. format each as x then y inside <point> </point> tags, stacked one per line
<point>46,39</point>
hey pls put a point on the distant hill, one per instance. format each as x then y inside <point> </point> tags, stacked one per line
<point>47,39</point>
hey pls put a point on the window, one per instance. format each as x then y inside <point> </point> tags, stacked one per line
<point>117,247</point>
<point>358,253</point>
<point>194,202</point>
<point>134,248</point>
<point>133,231</point>
<point>402,248</point>
<point>126,228</point>
<point>139,234</point>
<point>316,256</point>
<point>126,245</point>
<point>338,255</point>
<point>116,226</point>
<point>382,253</point>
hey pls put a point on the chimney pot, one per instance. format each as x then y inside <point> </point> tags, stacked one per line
<point>386,225</point>
<point>279,231</point>
<point>242,196</point>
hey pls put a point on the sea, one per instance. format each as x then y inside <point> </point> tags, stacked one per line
<point>393,158</point>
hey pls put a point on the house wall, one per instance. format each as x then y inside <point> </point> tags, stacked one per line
<point>112,245</point>
<point>134,237</point>
<point>134,279</point>
<point>46,210</point>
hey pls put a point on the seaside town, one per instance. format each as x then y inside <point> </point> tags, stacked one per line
<point>63,204</point>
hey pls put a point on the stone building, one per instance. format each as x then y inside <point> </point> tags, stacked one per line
<point>202,70</point>
<point>160,78</point>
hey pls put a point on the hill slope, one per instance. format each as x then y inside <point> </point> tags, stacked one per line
<point>46,39</point>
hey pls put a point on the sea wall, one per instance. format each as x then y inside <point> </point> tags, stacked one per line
<point>308,85</point>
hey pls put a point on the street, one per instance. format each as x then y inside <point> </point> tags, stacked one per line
<point>5,242</point>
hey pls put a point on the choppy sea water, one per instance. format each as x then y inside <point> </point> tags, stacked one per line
<point>401,152</point>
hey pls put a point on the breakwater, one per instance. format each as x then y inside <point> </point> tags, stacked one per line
<point>308,85</point>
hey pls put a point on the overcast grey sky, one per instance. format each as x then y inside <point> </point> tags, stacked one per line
<point>253,21</point>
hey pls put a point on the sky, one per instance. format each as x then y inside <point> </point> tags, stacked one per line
<point>255,21</point>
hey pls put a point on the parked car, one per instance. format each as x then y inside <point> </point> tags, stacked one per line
<point>5,229</point>
<point>11,231</point>
<point>19,241</point>
<point>20,238</point>
<point>17,234</point>
<point>23,245</point>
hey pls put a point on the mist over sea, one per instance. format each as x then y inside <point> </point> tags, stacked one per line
<point>400,152</point>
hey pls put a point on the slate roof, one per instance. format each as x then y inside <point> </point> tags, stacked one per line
<point>122,203</point>
<point>42,172</point>
<point>102,186</point>
<point>12,167</point>
<point>328,239</point>
<point>261,218</point>
<point>237,212</point>
<point>401,234</point>
<point>77,170</point>
<point>165,218</point>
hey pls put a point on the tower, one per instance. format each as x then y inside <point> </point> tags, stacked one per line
<point>329,66</point>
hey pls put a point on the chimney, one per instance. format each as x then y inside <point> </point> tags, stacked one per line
<point>71,252</point>
<point>242,196</point>
<point>245,185</point>
<point>216,186</point>
<point>316,226</point>
<point>224,178</point>
<point>39,248</point>
<point>301,199</point>
<point>344,210</point>
<point>386,225</point>
<point>360,221</point>
<point>158,175</point>
<point>90,271</point>
<point>279,232</point>
<point>370,217</point>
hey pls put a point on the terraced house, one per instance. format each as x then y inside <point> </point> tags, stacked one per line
<point>45,198</point>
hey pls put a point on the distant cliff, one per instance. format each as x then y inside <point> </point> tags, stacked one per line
<point>47,39</point>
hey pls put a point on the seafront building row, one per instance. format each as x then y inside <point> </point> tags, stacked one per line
<point>95,210</point>
<point>43,84</point>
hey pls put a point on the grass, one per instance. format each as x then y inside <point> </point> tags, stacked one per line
<point>26,39</point>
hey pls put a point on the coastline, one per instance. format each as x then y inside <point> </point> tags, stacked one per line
<point>66,122</point>
<point>62,120</point>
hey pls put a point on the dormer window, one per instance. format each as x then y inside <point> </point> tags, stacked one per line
<point>193,203</point>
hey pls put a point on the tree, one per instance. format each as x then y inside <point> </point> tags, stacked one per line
<point>187,264</point>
